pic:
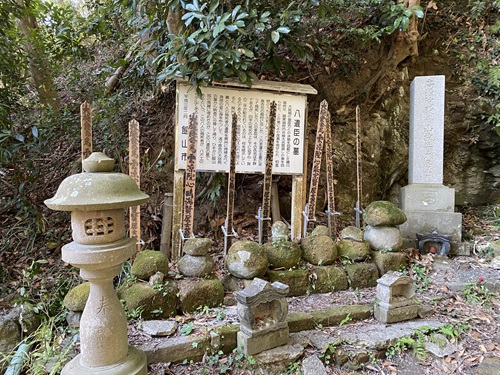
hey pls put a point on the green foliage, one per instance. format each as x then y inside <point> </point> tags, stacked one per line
<point>396,16</point>
<point>187,329</point>
<point>477,293</point>
<point>453,331</point>
<point>420,274</point>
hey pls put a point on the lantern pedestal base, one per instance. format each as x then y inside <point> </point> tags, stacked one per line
<point>135,364</point>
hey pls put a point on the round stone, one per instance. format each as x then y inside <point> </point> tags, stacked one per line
<point>351,233</point>
<point>320,230</point>
<point>282,254</point>
<point>319,250</point>
<point>197,246</point>
<point>196,266</point>
<point>246,260</point>
<point>353,250</point>
<point>383,213</point>
<point>148,262</point>
<point>77,297</point>
<point>387,239</point>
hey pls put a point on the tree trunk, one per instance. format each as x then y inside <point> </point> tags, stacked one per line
<point>37,60</point>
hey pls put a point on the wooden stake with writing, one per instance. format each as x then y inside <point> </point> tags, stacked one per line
<point>86,129</point>
<point>134,172</point>
<point>330,182</point>
<point>228,226</point>
<point>190,179</point>
<point>268,173</point>
<point>318,155</point>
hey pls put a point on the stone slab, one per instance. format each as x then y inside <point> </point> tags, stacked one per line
<point>379,336</point>
<point>426,144</point>
<point>449,223</point>
<point>299,321</point>
<point>335,315</point>
<point>176,349</point>
<point>427,197</point>
<point>313,366</point>
<point>159,327</point>
<point>256,344</point>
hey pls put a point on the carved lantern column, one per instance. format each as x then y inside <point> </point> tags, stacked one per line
<point>97,200</point>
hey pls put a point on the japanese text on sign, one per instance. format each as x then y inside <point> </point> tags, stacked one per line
<point>214,111</point>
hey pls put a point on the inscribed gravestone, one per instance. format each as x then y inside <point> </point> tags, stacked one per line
<point>426,130</point>
<point>427,203</point>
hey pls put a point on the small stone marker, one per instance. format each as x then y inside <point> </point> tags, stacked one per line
<point>427,203</point>
<point>395,302</point>
<point>262,308</point>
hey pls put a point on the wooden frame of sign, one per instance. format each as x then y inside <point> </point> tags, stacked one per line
<point>214,111</point>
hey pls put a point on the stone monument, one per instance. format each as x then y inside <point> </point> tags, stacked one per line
<point>97,199</point>
<point>428,204</point>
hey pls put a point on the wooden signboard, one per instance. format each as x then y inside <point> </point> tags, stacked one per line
<point>190,180</point>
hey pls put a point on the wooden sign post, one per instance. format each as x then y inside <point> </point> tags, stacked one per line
<point>134,171</point>
<point>330,182</point>
<point>190,181</point>
<point>227,228</point>
<point>214,109</point>
<point>263,215</point>
<point>358,210</point>
<point>310,209</point>
<point>86,129</point>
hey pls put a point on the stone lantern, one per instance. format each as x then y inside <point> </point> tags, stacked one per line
<point>97,200</point>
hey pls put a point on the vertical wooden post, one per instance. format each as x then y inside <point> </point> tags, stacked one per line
<point>86,129</point>
<point>135,173</point>
<point>275,203</point>
<point>297,204</point>
<point>177,214</point>
<point>166,227</point>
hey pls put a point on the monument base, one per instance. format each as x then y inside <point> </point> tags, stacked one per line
<point>427,197</point>
<point>135,364</point>
<point>256,344</point>
<point>449,223</point>
<point>457,248</point>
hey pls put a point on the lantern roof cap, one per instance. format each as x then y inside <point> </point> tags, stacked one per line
<point>98,188</point>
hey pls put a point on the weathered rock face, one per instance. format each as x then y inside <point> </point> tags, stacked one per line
<point>383,238</point>
<point>282,254</point>
<point>246,260</point>
<point>319,250</point>
<point>383,213</point>
<point>147,263</point>
<point>351,233</point>
<point>10,335</point>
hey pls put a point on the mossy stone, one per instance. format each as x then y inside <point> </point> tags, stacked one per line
<point>77,297</point>
<point>383,213</point>
<point>357,251</point>
<point>246,260</point>
<point>297,280</point>
<point>319,250</point>
<point>362,275</point>
<point>195,266</point>
<point>282,254</point>
<point>320,230</point>
<point>389,261</point>
<point>197,246</point>
<point>329,279</point>
<point>148,262</point>
<point>159,301</point>
<point>196,293</point>
<point>335,315</point>
<point>351,233</point>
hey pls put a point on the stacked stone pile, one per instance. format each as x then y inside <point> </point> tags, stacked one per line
<point>281,252</point>
<point>196,262</point>
<point>383,235</point>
